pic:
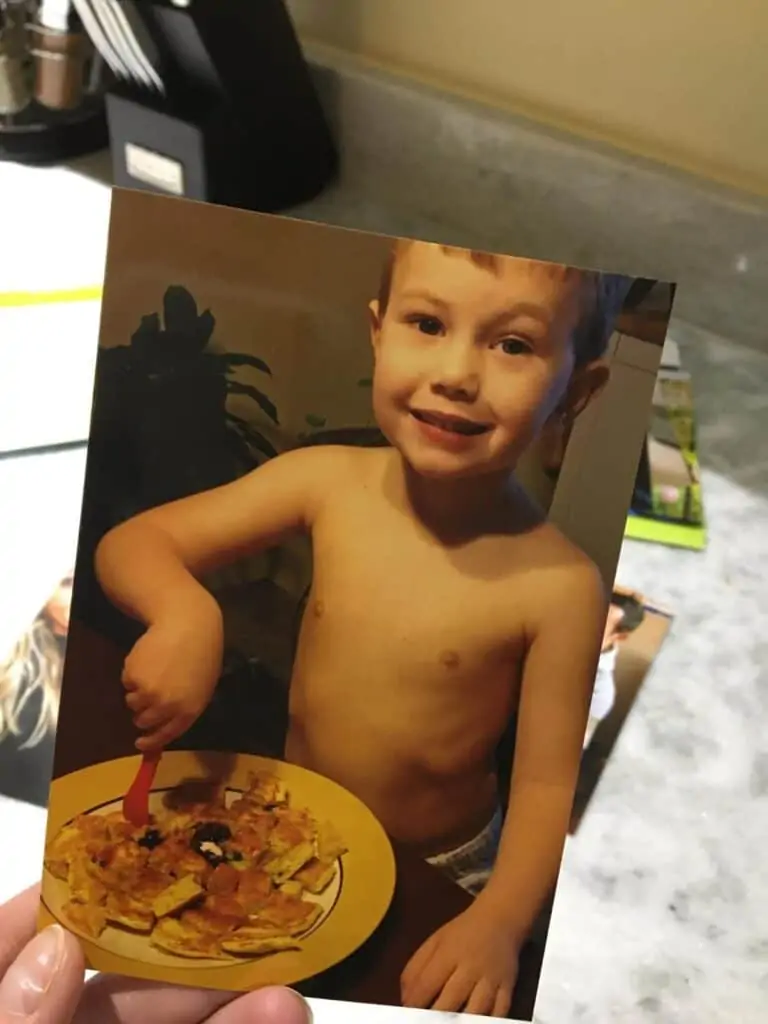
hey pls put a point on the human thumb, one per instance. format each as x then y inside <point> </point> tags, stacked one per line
<point>45,981</point>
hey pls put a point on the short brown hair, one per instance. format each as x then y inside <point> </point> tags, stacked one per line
<point>602,295</point>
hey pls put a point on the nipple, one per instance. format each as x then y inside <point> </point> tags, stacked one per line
<point>450,659</point>
<point>318,609</point>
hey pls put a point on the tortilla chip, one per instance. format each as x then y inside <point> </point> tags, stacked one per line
<point>174,936</point>
<point>116,827</point>
<point>266,790</point>
<point>89,920</point>
<point>254,889</point>
<point>253,942</point>
<point>223,881</point>
<point>176,859</point>
<point>60,850</point>
<point>280,869</point>
<point>250,905</point>
<point>84,887</point>
<point>290,914</point>
<point>177,896</point>
<point>124,858</point>
<point>147,885</point>
<point>121,909</point>
<point>216,920</point>
<point>316,876</point>
<point>330,846</point>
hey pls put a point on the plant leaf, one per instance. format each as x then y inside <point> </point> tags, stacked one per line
<point>205,325</point>
<point>252,436</point>
<point>179,310</point>
<point>147,332</point>
<point>267,406</point>
<point>232,359</point>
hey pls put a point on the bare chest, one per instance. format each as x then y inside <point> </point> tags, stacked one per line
<point>389,593</point>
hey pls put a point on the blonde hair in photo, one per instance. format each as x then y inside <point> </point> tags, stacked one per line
<point>32,673</point>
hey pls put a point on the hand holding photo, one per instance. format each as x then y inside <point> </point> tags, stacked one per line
<point>329,547</point>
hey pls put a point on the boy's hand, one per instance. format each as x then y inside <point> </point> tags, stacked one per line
<point>469,965</point>
<point>172,671</point>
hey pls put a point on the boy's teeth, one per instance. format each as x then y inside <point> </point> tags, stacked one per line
<point>458,426</point>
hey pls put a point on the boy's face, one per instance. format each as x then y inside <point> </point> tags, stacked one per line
<point>470,361</point>
<point>58,608</point>
<point>614,627</point>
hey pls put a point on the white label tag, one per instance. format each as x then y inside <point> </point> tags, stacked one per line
<point>154,169</point>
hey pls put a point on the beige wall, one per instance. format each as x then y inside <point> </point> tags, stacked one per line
<point>682,81</point>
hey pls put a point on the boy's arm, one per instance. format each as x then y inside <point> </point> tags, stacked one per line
<point>147,565</point>
<point>558,677</point>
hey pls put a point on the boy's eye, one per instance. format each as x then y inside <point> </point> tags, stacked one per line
<point>514,347</point>
<point>428,325</point>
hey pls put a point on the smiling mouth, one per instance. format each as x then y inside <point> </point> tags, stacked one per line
<point>452,424</point>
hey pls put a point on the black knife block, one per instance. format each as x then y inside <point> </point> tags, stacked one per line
<point>240,122</point>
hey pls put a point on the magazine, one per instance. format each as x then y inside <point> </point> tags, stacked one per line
<point>352,504</point>
<point>667,502</point>
<point>30,687</point>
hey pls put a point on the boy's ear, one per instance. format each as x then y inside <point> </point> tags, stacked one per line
<point>586,384</point>
<point>374,320</point>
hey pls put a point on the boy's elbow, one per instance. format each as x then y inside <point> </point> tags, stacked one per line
<point>117,547</point>
<point>107,551</point>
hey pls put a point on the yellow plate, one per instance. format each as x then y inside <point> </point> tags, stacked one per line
<point>353,905</point>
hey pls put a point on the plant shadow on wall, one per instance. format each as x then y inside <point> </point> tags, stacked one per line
<point>162,429</point>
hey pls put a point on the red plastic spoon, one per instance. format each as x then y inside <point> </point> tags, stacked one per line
<point>136,801</point>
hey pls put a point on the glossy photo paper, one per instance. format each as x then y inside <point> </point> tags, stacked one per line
<point>352,513</point>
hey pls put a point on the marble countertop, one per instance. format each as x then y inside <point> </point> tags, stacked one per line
<point>662,910</point>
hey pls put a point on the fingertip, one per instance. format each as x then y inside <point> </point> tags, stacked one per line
<point>278,1005</point>
<point>73,955</point>
<point>273,1005</point>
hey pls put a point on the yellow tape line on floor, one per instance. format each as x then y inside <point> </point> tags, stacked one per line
<point>47,298</point>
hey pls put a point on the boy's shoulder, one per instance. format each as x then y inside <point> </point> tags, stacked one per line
<point>568,577</point>
<point>331,465</point>
<point>544,543</point>
<point>561,556</point>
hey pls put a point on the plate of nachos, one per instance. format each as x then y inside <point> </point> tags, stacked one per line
<point>250,872</point>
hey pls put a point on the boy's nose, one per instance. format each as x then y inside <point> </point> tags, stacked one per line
<point>457,373</point>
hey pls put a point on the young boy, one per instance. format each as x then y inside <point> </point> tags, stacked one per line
<point>442,602</point>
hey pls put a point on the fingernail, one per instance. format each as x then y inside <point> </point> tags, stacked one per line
<point>23,988</point>
<point>305,1008</point>
<point>283,1005</point>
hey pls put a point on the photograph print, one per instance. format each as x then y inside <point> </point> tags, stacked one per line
<point>352,513</point>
